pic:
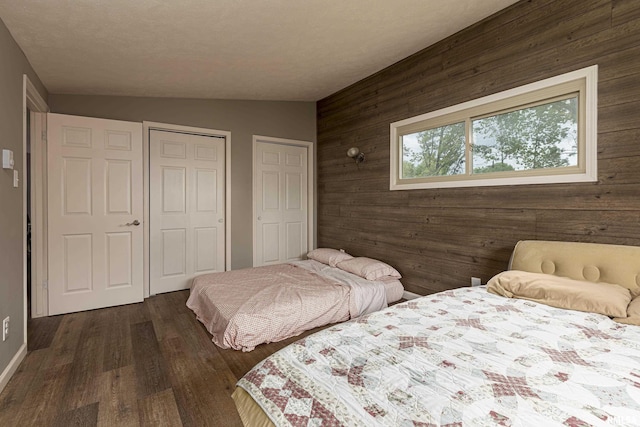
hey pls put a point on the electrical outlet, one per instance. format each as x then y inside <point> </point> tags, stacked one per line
<point>475,281</point>
<point>5,328</point>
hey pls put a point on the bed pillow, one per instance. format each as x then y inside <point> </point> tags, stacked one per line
<point>368,268</point>
<point>562,292</point>
<point>328,256</point>
<point>633,313</point>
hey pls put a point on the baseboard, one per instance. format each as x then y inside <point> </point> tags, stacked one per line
<point>410,295</point>
<point>13,366</point>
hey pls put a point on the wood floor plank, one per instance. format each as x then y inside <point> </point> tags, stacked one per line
<point>40,331</point>
<point>118,350</point>
<point>137,313</point>
<point>83,386</point>
<point>162,312</point>
<point>119,402</point>
<point>67,337</point>
<point>44,401</point>
<point>23,381</point>
<point>198,390</point>
<point>151,368</point>
<point>159,410</point>
<point>85,416</point>
<point>225,382</point>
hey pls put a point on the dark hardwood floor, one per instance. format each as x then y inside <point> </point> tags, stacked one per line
<point>146,364</point>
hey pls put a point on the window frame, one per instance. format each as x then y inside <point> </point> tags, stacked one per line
<point>583,82</point>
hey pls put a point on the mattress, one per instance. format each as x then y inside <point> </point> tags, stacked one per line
<point>244,308</point>
<point>466,357</point>
<point>461,357</point>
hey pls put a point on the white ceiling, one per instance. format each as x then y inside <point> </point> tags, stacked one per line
<point>301,50</point>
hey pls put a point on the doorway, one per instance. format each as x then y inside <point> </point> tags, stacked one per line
<point>28,170</point>
<point>35,254</point>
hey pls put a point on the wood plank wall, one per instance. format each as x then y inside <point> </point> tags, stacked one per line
<point>439,238</point>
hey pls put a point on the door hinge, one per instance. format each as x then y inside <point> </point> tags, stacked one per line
<point>45,285</point>
<point>44,135</point>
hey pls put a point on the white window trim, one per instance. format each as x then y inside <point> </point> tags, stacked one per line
<point>589,74</point>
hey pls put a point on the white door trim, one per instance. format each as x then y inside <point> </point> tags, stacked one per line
<point>310,187</point>
<point>148,126</point>
<point>39,254</point>
<point>34,102</point>
<point>31,100</point>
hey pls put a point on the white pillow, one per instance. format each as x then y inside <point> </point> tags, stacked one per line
<point>368,268</point>
<point>328,256</point>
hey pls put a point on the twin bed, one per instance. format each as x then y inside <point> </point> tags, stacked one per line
<point>244,308</point>
<point>554,342</point>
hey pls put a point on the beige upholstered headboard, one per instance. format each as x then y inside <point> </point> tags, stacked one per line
<point>592,262</point>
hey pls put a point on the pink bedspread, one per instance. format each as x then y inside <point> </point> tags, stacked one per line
<point>266,304</point>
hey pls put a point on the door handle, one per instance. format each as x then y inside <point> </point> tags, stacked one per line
<point>135,222</point>
<point>259,218</point>
<point>221,220</point>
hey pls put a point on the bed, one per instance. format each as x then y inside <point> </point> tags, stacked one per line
<point>473,357</point>
<point>247,307</point>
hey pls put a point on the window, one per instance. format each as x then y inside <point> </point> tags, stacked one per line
<point>544,132</point>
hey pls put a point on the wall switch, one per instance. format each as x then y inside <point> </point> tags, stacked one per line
<point>7,159</point>
<point>5,328</point>
<point>16,179</point>
<point>475,281</point>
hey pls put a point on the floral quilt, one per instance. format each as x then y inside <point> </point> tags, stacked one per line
<point>458,358</point>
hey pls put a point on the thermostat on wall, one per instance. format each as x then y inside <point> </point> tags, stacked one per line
<point>7,159</point>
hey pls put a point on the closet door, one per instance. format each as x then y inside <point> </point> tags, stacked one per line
<point>281,202</point>
<point>187,208</point>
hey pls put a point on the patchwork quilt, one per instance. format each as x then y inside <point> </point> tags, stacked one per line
<point>458,358</point>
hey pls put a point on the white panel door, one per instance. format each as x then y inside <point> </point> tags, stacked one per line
<point>187,208</point>
<point>95,241</point>
<point>281,203</point>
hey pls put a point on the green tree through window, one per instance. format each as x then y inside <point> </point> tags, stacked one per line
<point>543,132</point>
<point>435,152</point>
<point>543,136</point>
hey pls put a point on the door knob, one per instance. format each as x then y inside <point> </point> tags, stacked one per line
<point>259,218</point>
<point>135,222</point>
<point>221,220</point>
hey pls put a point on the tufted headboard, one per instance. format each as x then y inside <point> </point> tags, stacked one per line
<point>593,262</point>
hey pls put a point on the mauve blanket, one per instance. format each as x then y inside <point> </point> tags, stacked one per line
<point>244,308</point>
